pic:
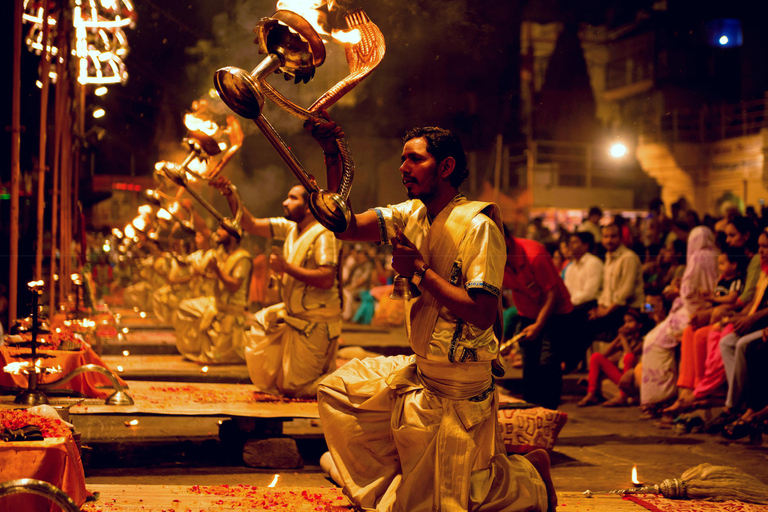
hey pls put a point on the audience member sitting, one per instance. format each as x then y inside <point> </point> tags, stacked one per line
<point>622,288</point>
<point>754,421</point>
<point>701,369</point>
<point>625,348</point>
<point>584,276</point>
<point>659,370</point>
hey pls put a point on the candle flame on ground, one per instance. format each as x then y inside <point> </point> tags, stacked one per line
<point>634,476</point>
<point>126,353</point>
<point>204,369</point>
<point>131,423</point>
<point>119,368</point>
<point>274,481</point>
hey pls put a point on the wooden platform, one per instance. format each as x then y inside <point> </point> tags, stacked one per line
<point>194,399</point>
<point>157,498</point>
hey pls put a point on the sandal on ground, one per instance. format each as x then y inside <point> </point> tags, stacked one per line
<point>743,428</point>
<point>716,424</point>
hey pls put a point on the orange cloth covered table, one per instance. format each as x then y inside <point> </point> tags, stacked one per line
<point>85,383</point>
<point>55,460</point>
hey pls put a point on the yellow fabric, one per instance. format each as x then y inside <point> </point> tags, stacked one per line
<point>206,332</point>
<point>289,355</point>
<point>311,249</point>
<point>442,243</point>
<point>477,265</point>
<point>399,446</point>
<point>420,433</point>
<point>292,345</point>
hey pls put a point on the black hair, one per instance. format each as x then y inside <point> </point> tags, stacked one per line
<point>441,144</point>
<point>746,226</point>
<point>586,238</point>
<point>736,255</point>
<point>595,210</point>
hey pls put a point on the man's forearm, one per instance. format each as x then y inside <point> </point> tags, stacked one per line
<point>478,309</point>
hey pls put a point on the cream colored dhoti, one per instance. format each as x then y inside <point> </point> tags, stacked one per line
<point>209,332</point>
<point>400,446</point>
<point>165,300</point>
<point>289,355</point>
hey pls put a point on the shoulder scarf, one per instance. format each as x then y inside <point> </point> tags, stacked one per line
<point>442,247</point>
<point>297,253</point>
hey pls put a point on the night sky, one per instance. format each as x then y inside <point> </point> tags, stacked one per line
<point>451,63</point>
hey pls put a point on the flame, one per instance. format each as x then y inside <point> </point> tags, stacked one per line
<point>347,36</point>
<point>204,369</point>
<point>634,476</point>
<point>131,423</point>
<point>129,231</point>
<point>274,481</point>
<point>145,209</point>
<point>164,214</point>
<point>126,353</point>
<point>310,11</point>
<point>194,123</point>
<point>119,368</point>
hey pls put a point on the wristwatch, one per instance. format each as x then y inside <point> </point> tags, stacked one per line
<point>419,274</point>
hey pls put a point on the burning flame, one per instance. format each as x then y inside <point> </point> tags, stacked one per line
<point>194,123</point>
<point>164,214</point>
<point>145,209</point>
<point>634,476</point>
<point>129,231</point>
<point>310,11</point>
<point>126,353</point>
<point>131,423</point>
<point>204,369</point>
<point>119,368</point>
<point>274,481</point>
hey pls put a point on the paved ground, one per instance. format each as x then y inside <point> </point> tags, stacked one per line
<point>596,450</point>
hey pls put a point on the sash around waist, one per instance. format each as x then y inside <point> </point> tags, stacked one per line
<point>455,381</point>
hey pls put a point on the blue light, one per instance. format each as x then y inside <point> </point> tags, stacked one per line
<point>724,33</point>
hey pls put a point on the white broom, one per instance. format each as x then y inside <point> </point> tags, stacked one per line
<point>705,482</point>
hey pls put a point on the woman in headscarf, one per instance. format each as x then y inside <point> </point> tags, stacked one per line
<point>659,371</point>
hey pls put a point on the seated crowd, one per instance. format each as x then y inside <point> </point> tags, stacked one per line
<point>681,307</point>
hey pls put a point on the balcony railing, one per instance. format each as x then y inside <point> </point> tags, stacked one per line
<point>708,123</point>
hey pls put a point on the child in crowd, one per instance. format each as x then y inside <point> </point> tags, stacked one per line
<point>626,347</point>
<point>731,281</point>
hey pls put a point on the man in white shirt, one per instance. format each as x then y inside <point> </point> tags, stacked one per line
<point>622,284</point>
<point>584,275</point>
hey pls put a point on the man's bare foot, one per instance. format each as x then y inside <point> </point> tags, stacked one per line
<point>540,460</point>
<point>617,401</point>
<point>683,403</point>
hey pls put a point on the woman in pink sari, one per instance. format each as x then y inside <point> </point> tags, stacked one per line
<point>659,371</point>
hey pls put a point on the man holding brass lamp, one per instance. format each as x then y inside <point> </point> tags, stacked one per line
<point>292,345</point>
<point>420,432</point>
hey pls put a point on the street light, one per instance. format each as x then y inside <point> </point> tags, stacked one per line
<point>618,150</point>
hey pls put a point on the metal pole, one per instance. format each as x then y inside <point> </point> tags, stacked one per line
<point>13,249</point>
<point>46,81</point>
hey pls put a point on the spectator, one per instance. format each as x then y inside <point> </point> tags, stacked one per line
<point>592,223</point>
<point>584,276</point>
<point>659,366</point>
<point>622,286</point>
<point>626,347</point>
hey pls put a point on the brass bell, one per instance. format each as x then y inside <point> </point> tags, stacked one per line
<point>403,289</point>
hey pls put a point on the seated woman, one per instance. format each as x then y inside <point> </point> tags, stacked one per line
<point>701,368</point>
<point>626,347</point>
<point>659,372</point>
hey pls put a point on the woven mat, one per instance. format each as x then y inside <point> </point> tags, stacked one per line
<point>202,399</point>
<point>659,504</point>
<point>157,498</point>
